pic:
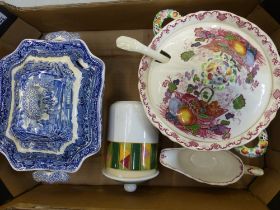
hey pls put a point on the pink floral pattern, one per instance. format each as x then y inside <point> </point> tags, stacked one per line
<point>188,103</point>
<point>276,94</point>
<point>254,130</point>
<point>276,72</point>
<point>221,17</point>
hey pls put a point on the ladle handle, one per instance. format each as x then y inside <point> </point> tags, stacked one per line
<point>132,45</point>
<point>163,15</point>
<point>252,170</point>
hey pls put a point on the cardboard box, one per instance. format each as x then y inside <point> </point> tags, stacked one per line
<point>99,25</point>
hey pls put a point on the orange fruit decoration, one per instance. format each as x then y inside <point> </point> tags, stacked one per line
<point>229,71</point>
<point>263,144</point>
<point>185,116</point>
<point>239,48</point>
<point>211,67</point>
<point>245,151</point>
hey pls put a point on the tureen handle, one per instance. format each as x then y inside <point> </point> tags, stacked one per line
<point>163,15</point>
<point>252,170</point>
<point>50,177</point>
<point>61,36</point>
<point>258,150</point>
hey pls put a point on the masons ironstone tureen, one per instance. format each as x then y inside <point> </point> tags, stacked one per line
<point>219,87</point>
<point>50,106</point>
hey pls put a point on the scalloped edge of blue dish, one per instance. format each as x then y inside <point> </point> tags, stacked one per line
<point>73,163</point>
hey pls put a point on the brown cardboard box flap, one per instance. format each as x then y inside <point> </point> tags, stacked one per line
<point>273,129</point>
<point>5,49</point>
<point>276,38</point>
<point>103,43</point>
<point>16,182</point>
<point>114,197</point>
<point>267,186</point>
<point>272,160</point>
<point>119,15</point>
<point>264,20</point>
<point>18,31</point>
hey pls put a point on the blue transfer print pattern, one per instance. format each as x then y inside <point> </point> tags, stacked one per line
<point>50,177</point>
<point>47,91</point>
<point>89,107</point>
<point>64,35</point>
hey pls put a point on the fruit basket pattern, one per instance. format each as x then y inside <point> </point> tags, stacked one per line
<point>205,104</point>
<point>220,87</point>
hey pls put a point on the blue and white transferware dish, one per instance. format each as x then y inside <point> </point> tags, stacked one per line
<point>50,106</point>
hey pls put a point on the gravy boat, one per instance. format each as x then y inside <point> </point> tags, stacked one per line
<point>213,168</point>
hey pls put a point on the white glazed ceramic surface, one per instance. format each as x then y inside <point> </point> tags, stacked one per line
<point>130,183</point>
<point>128,123</point>
<point>220,88</point>
<point>130,176</point>
<point>132,151</point>
<point>214,168</point>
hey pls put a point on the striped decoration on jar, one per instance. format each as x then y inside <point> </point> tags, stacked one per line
<point>132,156</point>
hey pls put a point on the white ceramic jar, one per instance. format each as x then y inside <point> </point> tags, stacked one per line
<point>132,150</point>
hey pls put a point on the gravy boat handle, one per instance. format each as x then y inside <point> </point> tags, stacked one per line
<point>253,170</point>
